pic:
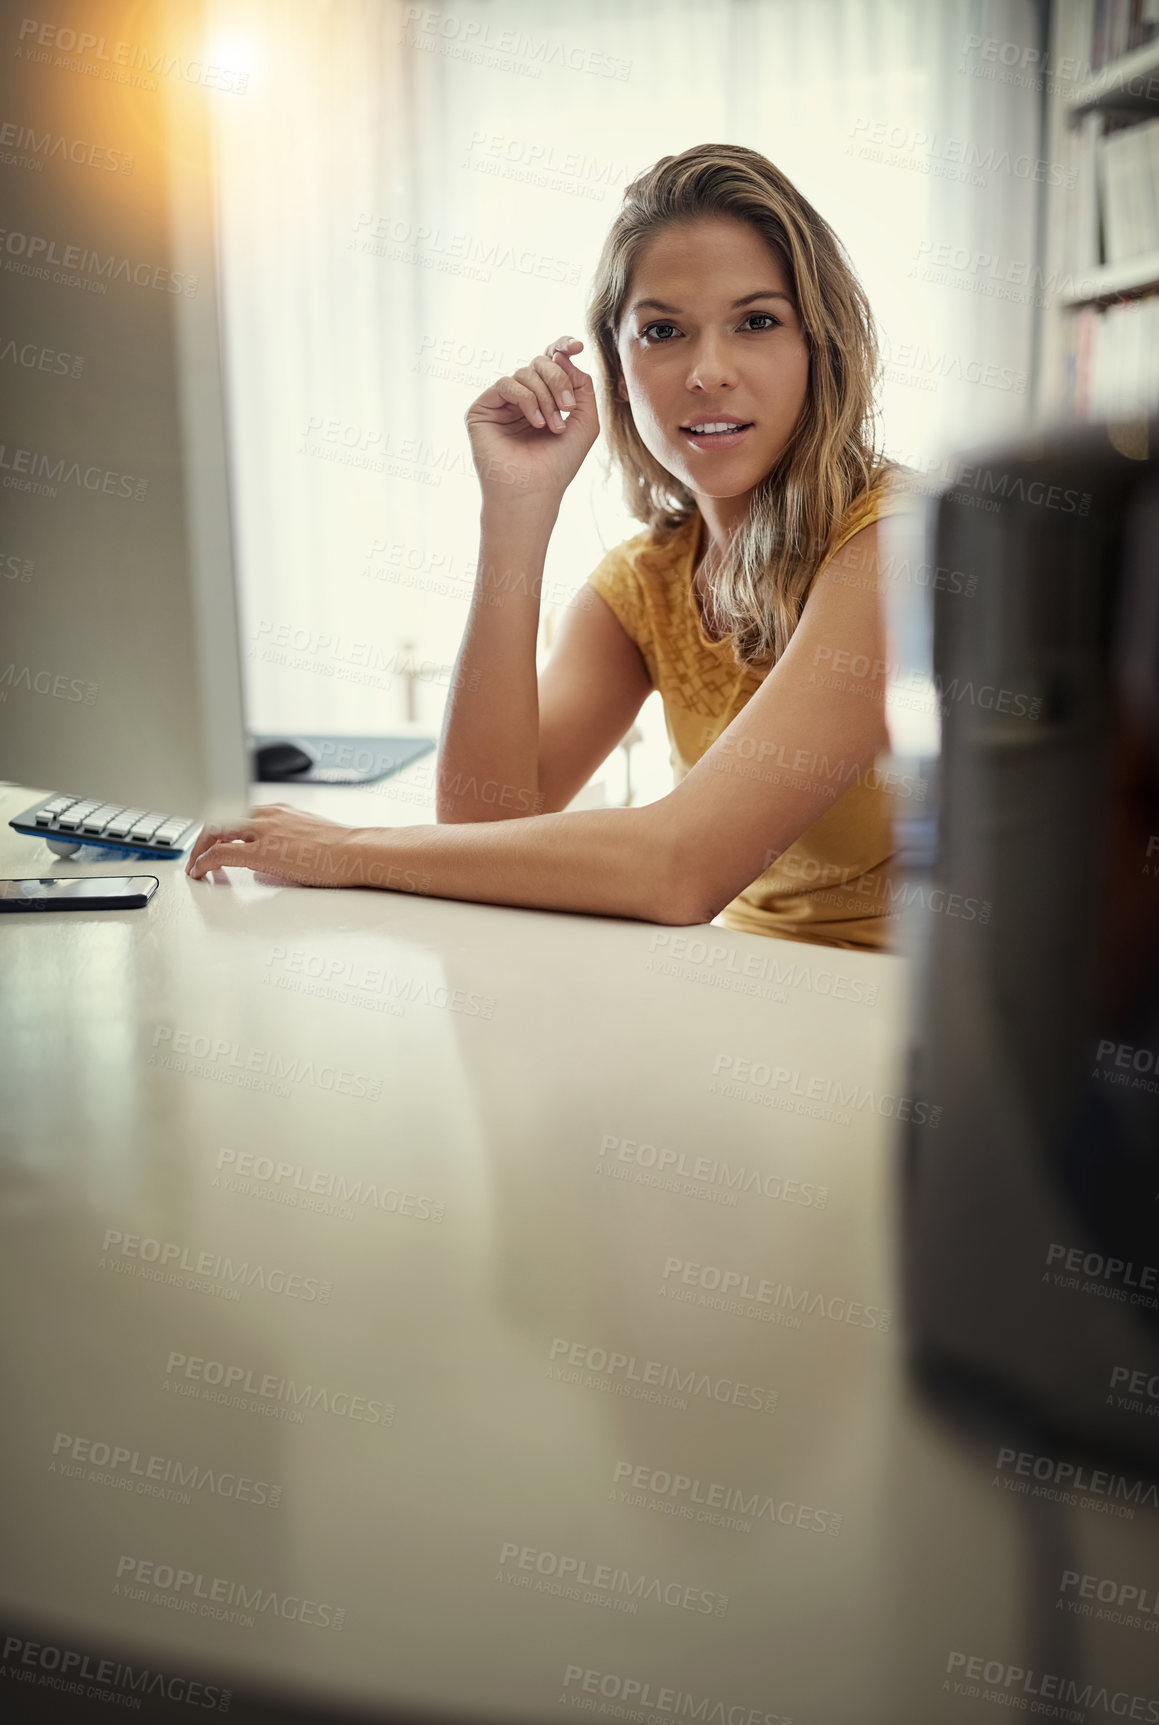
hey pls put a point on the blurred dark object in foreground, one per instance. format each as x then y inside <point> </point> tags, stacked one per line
<point>1031,1214</point>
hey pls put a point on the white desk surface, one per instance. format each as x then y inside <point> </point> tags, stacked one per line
<point>489,1054</point>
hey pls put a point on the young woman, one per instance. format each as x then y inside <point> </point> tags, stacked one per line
<point>736,356</point>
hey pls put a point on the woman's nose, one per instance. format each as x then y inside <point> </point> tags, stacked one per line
<point>710,368</point>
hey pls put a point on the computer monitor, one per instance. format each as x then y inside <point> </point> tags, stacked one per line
<point>120,666</point>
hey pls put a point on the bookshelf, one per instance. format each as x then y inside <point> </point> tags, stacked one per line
<point>1099,331</point>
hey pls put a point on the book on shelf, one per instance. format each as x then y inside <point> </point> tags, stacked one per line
<point>1110,360</point>
<point>1084,234</point>
<point>1106,211</point>
<point>1128,184</point>
<point>1118,27</point>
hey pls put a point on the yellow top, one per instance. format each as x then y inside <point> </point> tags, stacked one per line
<point>833,885</point>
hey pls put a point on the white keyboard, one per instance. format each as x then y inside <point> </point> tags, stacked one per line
<point>66,823</point>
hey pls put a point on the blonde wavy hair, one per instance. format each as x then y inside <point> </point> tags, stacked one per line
<point>758,592</point>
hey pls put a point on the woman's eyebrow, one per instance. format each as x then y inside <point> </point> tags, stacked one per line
<point>762,293</point>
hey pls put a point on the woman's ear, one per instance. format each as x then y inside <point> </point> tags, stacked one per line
<point>621,388</point>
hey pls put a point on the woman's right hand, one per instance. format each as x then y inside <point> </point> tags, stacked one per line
<point>521,443</point>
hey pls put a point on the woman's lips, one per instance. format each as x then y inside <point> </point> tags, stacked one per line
<point>716,439</point>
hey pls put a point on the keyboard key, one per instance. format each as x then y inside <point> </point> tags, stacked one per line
<point>171,832</point>
<point>117,828</point>
<point>78,813</point>
<point>56,807</point>
<point>100,818</point>
<point>147,826</point>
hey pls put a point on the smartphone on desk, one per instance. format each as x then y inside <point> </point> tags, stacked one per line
<point>78,892</point>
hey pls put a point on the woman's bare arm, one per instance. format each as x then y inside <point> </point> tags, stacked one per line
<point>514,744</point>
<point>816,724</point>
<point>489,747</point>
<point>682,858</point>
<point>590,691</point>
<point>526,454</point>
<point>679,860</point>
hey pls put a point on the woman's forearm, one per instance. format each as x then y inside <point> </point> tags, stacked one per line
<point>490,733</point>
<point>609,862</point>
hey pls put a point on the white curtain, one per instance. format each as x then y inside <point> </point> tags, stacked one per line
<point>413,199</point>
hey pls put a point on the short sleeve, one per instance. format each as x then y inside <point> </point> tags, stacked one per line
<point>617,580</point>
<point>888,498</point>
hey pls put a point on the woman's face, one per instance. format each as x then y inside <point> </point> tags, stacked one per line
<point>710,332</point>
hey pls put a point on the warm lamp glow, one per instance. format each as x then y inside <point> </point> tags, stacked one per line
<point>240,54</point>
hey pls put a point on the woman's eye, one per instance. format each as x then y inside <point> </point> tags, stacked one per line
<point>770,322</point>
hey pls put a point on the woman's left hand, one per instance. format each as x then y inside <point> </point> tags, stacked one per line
<point>276,840</point>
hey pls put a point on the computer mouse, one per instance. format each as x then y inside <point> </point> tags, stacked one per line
<point>282,760</point>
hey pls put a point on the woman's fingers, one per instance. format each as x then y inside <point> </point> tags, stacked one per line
<point>557,380</point>
<point>554,368</point>
<point>520,395</point>
<point>210,837</point>
<point>563,353</point>
<point>236,853</point>
<point>542,389</point>
<point>543,393</point>
<point>528,375</point>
